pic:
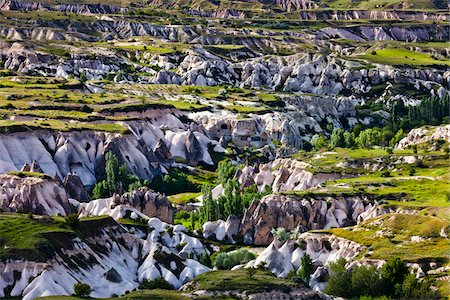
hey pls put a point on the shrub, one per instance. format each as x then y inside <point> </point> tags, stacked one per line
<point>393,272</point>
<point>385,174</point>
<point>226,261</point>
<point>72,221</point>
<point>339,283</point>
<point>306,268</point>
<point>366,281</point>
<point>205,260</point>
<point>82,290</point>
<point>158,283</point>
<point>280,234</point>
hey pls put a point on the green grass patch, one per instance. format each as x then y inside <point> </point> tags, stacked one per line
<point>183,198</point>
<point>402,56</point>
<point>396,240</point>
<point>24,238</point>
<point>239,280</point>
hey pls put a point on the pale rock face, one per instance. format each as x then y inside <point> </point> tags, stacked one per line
<point>283,175</point>
<point>296,214</point>
<point>142,202</point>
<point>145,150</point>
<point>322,249</point>
<point>423,135</point>
<point>31,194</point>
<point>119,260</point>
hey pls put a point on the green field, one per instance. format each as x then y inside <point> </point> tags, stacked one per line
<point>396,240</point>
<point>401,56</point>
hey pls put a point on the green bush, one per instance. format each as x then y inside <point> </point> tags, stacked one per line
<point>158,283</point>
<point>227,260</point>
<point>393,272</point>
<point>340,281</point>
<point>72,221</point>
<point>82,290</point>
<point>306,268</point>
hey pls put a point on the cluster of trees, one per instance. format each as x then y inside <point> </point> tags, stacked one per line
<point>234,200</point>
<point>392,280</point>
<point>173,183</point>
<point>118,180</point>
<point>431,111</point>
<point>358,138</point>
<point>227,260</point>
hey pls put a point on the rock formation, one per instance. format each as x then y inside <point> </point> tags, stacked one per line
<point>142,200</point>
<point>111,260</point>
<point>38,195</point>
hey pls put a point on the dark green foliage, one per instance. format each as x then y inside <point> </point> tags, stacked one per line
<point>232,202</point>
<point>173,183</point>
<point>205,260</point>
<point>412,288</point>
<point>412,170</point>
<point>366,281</point>
<point>393,272</point>
<point>83,77</point>
<point>72,221</point>
<point>340,281</point>
<point>227,260</point>
<point>318,141</point>
<point>82,290</point>
<point>158,283</point>
<point>225,171</point>
<point>118,180</point>
<point>306,268</point>
<point>337,138</point>
<point>280,234</point>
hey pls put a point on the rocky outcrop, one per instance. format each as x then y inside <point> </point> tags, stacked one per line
<point>111,259</point>
<point>424,135</point>
<point>99,8</point>
<point>82,153</point>
<point>322,249</point>
<point>297,213</point>
<point>283,175</point>
<point>75,188</point>
<point>38,195</point>
<point>143,200</point>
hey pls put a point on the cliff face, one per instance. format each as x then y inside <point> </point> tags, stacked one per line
<point>32,194</point>
<point>282,259</point>
<point>110,259</point>
<point>424,135</point>
<point>297,213</point>
<point>82,153</point>
<point>142,200</point>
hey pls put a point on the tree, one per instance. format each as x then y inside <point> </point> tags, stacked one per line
<point>82,290</point>
<point>225,171</point>
<point>366,281</point>
<point>83,77</point>
<point>349,139</point>
<point>227,260</point>
<point>306,268</point>
<point>251,272</point>
<point>118,180</point>
<point>281,234</point>
<point>339,283</point>
<point>205,259</point>
<point>72,221</point>
<point>318,141</point>
<point>158,283</point>
<point>337,138</point>
<point>393,272</point>
<point>412,288</point>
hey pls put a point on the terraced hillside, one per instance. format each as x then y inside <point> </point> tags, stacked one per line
<point>198,149</point>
